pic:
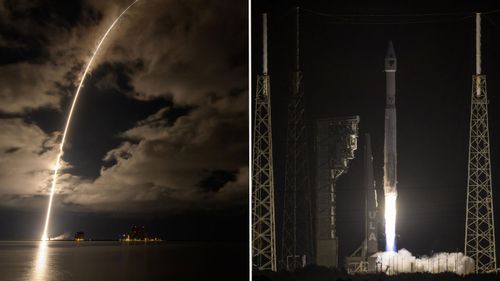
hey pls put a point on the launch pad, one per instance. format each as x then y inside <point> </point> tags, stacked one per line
<point>335,143</point>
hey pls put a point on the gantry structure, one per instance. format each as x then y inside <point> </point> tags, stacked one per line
<point>297,225</point>
<point>263,215</point>
<point>479,223</point>
<point>336,142</point>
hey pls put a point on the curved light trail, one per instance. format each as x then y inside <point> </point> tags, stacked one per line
<point>68,122</point>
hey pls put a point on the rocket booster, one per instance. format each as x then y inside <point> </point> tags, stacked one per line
<point>390,156</point>
<point>371,203</point>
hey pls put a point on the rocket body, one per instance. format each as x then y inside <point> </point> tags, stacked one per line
<point>371,227</point>
<point>390,155</point>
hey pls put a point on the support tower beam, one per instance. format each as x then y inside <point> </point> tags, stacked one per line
<point>297,227</point>
<point>479,222</point>
<point>263,218</point>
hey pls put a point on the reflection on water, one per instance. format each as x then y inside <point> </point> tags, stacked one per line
<point>39,269</point>
<point>113,260</point>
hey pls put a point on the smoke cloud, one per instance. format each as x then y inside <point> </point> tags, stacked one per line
<point>64,236</point>
<point>404,262</point>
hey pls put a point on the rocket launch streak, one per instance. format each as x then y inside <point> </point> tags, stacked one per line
<point>68,122</point>
<point>390,156</point>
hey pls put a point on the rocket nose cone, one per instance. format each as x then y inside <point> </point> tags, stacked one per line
<point>390,59</point>
<point>391,54</point>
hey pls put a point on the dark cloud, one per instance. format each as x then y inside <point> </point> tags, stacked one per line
<point>192,54</point>
<point>198,50</point>
<point>167,162</point>
<point>216,180</point>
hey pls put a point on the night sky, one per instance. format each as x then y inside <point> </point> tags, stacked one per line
<point>342,59</point>
<point>160,134</point>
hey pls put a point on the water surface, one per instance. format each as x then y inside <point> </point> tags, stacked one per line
<point>69,260</point>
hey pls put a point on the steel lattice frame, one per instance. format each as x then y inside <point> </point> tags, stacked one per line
<point>297,228</point>
<point>479,225</point>
<point>297,238</point>
<point>263,218</point>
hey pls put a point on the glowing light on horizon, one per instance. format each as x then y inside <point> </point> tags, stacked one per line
<point>45,236</point>
<point>390,221</point>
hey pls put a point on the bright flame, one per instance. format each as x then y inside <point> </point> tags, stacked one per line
<point>390,221</point>
<point>68,121</point>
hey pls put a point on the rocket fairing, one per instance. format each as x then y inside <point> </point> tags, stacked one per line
<point>390,156</point>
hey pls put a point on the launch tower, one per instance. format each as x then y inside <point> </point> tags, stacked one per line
<point>479,224</point>
<point>336,141</point>
<point>263,218</point>
<point>297,227</point>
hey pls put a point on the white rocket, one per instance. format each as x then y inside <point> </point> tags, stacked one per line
<point>390,156</point>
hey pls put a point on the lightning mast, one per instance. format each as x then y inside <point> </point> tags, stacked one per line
<point>479,222</point>
<point>297,238</point>
<point>263,218</point>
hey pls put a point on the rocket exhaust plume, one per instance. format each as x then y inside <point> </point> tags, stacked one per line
<point>68,122</point>
<point>390,155</point>
<point>403,261</point>
<point>390,221</point>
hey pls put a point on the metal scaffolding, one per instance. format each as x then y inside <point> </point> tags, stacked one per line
<point>296,242</point>
<point>263,218</point>
<point>479,224</point>
<point>336,142</point>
